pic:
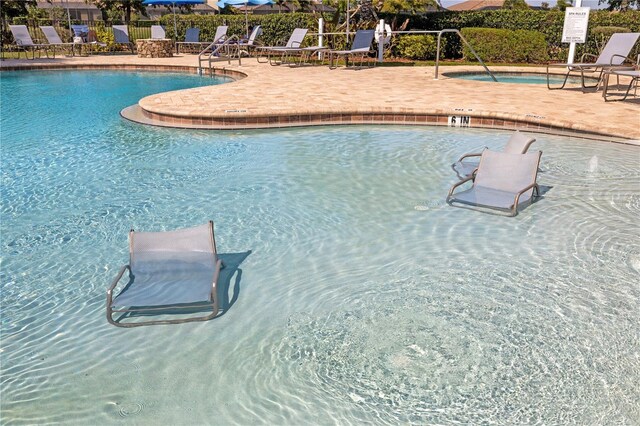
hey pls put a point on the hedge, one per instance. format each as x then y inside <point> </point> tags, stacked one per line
<point>499,45</point>
<point>549,23</point>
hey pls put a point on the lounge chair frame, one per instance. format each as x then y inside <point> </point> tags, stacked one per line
<point>359,48</point>
<point>284,52</point>
<point>211,303</point>
<point>121,36</point>
<point>24,42</point>
<point>613,56</point>
<point>635,78</point>
<point>513,210</point>
<point>54,40</point>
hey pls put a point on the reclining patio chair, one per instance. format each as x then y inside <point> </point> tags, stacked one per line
<point>633,75</point>
<point>55,41</point>
<point>192,39</point>
<point>293,44</point>
<point>158,32</point>
<point>168,272</point>
<point>88,37</point>
<point>25,43</point>
<point>245,46</point>
<point>613,56</point>
<point>121,36</point>
<point>361,46</point>
<point>518,143</point>
<point>503,182</point>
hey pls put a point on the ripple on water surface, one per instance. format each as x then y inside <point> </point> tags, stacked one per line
<point>364,297</point>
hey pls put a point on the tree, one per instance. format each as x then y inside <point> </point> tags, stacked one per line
<point>123,7</point>
<point>12,8</point>
<point>563,5</point>
<point>515,4</point>
<point>621,5</point>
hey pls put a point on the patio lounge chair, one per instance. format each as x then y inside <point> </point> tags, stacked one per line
<point>293,44</point>
<point>24,42</point>
<point>88,37</point>
<point>121,36</point>
<point>634,76</point>
<point>613,56</point>
<point>55,41</point>
<point>168,272</point>
<point>361,46</point>
<point>158,32</point>
<point>245,46</point>
<point>518,143</point>
<point>503,182</point>
<point>192,39</point>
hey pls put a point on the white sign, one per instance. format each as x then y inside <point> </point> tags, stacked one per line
<point>576,21</point>
<point>459,121</point>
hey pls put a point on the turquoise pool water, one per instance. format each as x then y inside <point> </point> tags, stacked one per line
<point>364,297</point>
<point>521,78</point>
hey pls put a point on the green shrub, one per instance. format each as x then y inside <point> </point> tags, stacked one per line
<point>419,47</point>
<point>548,22</point>
<point>498,45</point>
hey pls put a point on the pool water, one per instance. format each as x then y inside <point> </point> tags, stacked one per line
<point>359,295</point>
<point>521,78</point>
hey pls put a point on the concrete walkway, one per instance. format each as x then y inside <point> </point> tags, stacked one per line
<point>279,96</point>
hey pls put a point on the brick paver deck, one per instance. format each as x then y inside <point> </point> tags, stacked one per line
<point>279,96</point>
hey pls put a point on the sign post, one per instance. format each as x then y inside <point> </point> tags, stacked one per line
<point>576,21</point>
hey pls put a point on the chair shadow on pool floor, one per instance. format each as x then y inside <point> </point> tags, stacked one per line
<point>230,276</point>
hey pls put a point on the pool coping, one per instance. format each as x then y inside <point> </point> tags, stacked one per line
<point>245,119</point>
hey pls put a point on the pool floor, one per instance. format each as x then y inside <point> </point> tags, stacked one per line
<point>354,293</point>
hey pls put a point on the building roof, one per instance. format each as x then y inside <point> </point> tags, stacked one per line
<point>477,5</point>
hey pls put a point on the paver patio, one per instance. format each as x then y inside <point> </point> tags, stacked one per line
<point>277,96</point>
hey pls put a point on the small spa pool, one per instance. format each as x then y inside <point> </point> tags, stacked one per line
<point>516,77</point>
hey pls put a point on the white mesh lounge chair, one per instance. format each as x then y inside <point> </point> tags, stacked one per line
<point>24,41</point>
<point>361,46</point>
<point>518,143</point>
<point>168,272</point>
<point>613,56</point>
<point>503,182</point>
<point>121,36</point>
<point>54,40</point>
<point>293,44</point>
<point>192,41</point>
<point>244,47</point>
<point>158,32</point>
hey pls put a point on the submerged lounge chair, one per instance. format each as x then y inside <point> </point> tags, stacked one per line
<point>361,46</point>
<point>121,36</point>
<point>24,42</point>
<point>293,44</point>
<point>168,272</point>
<point>518,143</point>
<point>503,182</point>
<point>55,41</point>
<point>613,56</point>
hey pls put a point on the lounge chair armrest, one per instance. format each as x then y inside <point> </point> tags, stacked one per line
<point>517,199</point>
<point>624,59</point>
<point>472,154</point>
<point>117,279</point>
<point>585,55</point>
<point>463,181</point>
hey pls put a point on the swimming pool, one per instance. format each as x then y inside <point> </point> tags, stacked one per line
<point>360,296</point>
<point>518,77</point>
